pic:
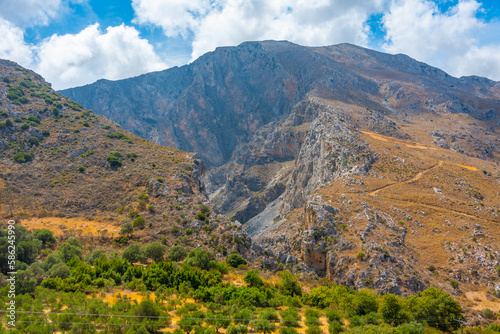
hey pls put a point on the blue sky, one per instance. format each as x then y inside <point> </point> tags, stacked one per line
<point>76,42</point>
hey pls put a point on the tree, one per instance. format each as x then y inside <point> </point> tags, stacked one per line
<point>217,320</point>
<point>263,326</point>
<point>289,285</point>
<point>438,307</point>
<point>252,278</point>
<point>70,249</point>
<point>127,229</point>
<point>288,330</point>
<point>45,236</point>
<point>177,253</point>
<point>242,317</point>
<point>365,302</point>
<point>95,255</point>
<point>234,260</point>
<point>335,327</point>
<point>59,270</point>
<point>191,320</point>
<point>200,258</point>
<point>131,253</point>
<point>290,318</point>
<point>155,251</point>
<point>391,309</point>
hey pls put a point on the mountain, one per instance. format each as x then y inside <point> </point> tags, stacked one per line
<point>66,169</point>
<point>373,170</point>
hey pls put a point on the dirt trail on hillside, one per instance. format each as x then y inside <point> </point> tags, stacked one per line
<point>415,178</point>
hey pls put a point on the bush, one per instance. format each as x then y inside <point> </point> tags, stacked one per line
<point>81,169</point>
<point>333,315</point>
<point>360,256</point>
<point>127,229</point>
<point>33,141</point>
<point>489,314</point>
<point>431,268</point>
<point>25,126</point>
<point>335,328</point>
<point>200,258</point>
<point>411,328</point>
<point>234,260</point>
<point>454,284</point>
<point>131,253</point>
<point>252,278</point>
<point>151,208</point>
<point>45,236</point>
<point>114,159</point>
<point>139,222</point>
<point>155,251</point>
<point>142,205</point>
<point>22,157</point>
<point>174,230</point>
<point>144,197</point>
<point>177,253</point>
<point>201,216</point>
<point>189,231</point>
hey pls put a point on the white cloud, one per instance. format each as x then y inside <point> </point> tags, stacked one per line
<point>482,61</point>
<point>175,17</point>
<point>419,29</point>
<point>451,40</point>
<point>24,13</point>
<point>82,58</point>
<point>230,22</point>
<point>12,45</point>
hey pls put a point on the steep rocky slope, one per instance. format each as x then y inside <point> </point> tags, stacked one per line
<point>237,107</point>
<point>64,168</point>
<point>367,168</point>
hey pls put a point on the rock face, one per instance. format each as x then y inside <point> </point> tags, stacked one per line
<point>286,131</point>
<point>240,109</point>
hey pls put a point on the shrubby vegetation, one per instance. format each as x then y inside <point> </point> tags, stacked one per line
<point>65,279</point>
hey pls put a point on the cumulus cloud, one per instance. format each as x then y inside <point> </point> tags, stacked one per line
<point>78,59</point>
<point>12,45</point>
<point>24,13</point>
<point>449,40</point>
<point>230,22</point>
<point>482,61</point>
<point>418,28</point>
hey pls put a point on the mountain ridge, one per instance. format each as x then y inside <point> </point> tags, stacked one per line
<point>302,141</point>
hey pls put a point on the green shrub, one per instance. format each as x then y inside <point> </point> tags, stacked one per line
<point>201,216</point>
<point>151,208</point>
<point>139,222</point>
<point>132,214</point>
<point>454,284</point>
<point>155,251</point>
<point>144,197</point>
<point>22,157</point>
<point>45,133</point>
<point>114,159</point>
<point>33,141</point>
<point>489,314</point>
<point>177,253</point>
<point>234,260</point>
<point>25,126</point>
<point>142,205</point>
<point>189,231</point>
<point>174,230</point>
